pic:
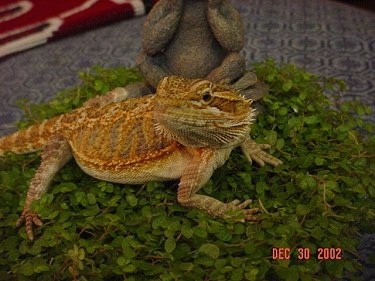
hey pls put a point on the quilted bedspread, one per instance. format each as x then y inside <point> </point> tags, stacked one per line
<point>29,23</point>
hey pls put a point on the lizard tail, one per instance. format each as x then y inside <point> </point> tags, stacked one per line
<point>27,140</point>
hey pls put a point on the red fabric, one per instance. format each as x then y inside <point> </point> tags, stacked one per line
<point>28,23</point>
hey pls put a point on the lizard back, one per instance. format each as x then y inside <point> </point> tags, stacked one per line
<point>120,133</point>
<point>116,136</point>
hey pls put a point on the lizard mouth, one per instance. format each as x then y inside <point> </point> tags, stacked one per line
<point>189,128</point>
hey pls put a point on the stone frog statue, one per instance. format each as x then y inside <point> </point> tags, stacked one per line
<point>196,39</point>
<point>193,39</point>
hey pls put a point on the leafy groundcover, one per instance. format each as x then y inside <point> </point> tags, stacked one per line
<point>315,204</point>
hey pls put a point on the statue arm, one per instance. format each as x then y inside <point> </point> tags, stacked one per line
<point>226,24</point>
<point>160,25</point>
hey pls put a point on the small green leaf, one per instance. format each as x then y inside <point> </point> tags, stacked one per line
<point>186,231</point>
<point>91,198</point>
<point>210,250</point>
<point>65,187</point>
<point>250,248</point>
<point>170,244</point>
<point>307,182</point>
<point>27,269</point>
<point>146,211</point>
<point>295,122</point>
<point>302,210</point>
<point>128,253</point>
<point>261,187</point>
<point>80,196</point>
<point>313,119</point>
<point>319,161</point>
<point>199,232</point>
<point>287,85</point>
<point>270,77</point>
<point>129,268</point>
<point>224,234</point>
<point>272,137</point>
<point>132,200</point>
<point>280,144</point>
<point>98,85</point>
<point>283,111</point>
<point>252,274</point>
<point>287,273</point>
<point>122,261</point>
<point>41,268</point>
<point>239,228</point>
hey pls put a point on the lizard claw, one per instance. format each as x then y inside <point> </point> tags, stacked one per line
<point>262,157</point>
<point>254,151</point>
<point>248,213</point>
<point>30,218</point>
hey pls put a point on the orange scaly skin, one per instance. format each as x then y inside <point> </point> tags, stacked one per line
<point>185,131</point>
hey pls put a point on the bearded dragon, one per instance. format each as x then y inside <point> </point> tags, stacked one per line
<point>184,131</point>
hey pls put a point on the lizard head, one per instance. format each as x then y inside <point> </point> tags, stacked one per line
<point>198,113</point>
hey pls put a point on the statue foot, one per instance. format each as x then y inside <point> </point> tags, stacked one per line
<point>249,86</point>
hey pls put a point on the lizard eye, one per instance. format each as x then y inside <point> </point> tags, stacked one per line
<point>207,97</point>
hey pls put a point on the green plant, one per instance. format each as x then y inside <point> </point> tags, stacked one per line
<point>320,197</point>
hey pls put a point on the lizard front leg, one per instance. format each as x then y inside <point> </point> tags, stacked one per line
<point>196,174</point>
<point>55,155</point>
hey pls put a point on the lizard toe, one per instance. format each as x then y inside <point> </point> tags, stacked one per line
<point>237,205</point>
<point>29,218</point>
<point>250,214</point>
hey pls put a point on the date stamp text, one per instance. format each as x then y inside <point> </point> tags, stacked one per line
<point>305,253</point>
